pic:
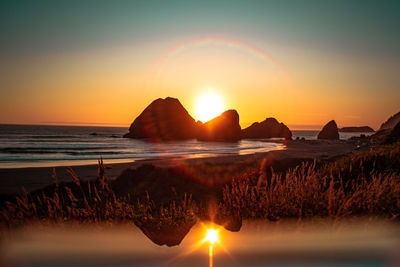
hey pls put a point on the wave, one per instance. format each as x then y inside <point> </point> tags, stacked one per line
<point>31,146</point>
<point>39,136</point>
<point>17,150</point>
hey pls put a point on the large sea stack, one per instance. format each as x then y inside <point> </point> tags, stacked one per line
<point>163,120</point>
<point>224,128</point>
<point>329,131</point>
<point>269,128</point>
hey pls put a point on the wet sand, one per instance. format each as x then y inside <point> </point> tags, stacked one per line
<point>13,179</point>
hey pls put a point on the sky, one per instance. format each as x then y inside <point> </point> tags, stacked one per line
<point>102,62</point>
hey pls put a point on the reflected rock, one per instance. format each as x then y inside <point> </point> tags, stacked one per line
<point>163,120</point>
<point>170,235</point>
<point>231,223</point>
<point>269,128</point>
<point>329,131</point>
<point>224,128</point>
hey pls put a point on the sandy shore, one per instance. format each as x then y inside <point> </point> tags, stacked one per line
<point>12,180</point>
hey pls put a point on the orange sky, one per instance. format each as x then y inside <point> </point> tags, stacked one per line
<point>110,86</point>
<point>287,71</point>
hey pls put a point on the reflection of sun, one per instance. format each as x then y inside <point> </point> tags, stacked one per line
<point>212,236</point>
<point>208,106</point>
<point>211,239</point>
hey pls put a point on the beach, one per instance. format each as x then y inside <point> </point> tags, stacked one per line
<point>200,133</point>
<point>32,178</point>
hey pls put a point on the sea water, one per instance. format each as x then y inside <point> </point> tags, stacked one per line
<point>41,145</point>
<point>312,134</point>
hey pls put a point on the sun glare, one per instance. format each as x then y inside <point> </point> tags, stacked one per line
<point>208,106</point>
<point>212,236</point>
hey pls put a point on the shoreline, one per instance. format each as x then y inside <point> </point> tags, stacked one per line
<point>32,178</point>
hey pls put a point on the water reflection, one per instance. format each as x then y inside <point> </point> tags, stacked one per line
<point>258,243</point>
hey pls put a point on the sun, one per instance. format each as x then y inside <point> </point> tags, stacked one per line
<point>208,106</point>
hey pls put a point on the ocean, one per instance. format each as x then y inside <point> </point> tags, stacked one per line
<point>312,135</point>
<point>40,146</point>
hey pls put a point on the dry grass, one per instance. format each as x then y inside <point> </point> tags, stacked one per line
<point>92,202</point>
<point>363,184</point>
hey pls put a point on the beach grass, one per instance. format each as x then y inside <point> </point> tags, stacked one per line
<point>359,184</point>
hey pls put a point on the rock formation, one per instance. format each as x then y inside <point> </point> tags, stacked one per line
<point>163,120</point>
<point>268,128</point>
<point>360,129</point>
<point>391,122</point>
<point>224,128</point>
<point>382,135</point>
<point>394,135</point>
<point>329,131</point>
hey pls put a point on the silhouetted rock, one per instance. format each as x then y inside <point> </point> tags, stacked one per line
<point>268,128</point>
<point>329,131</point>
<point>394,135</point>
<point>224,128</point>
<point>163,120</point>
<point>360,129</point>
<point>382,135</point>
<point>391,122</point>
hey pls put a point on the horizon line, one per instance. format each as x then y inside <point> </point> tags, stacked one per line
<point>82,124</point>
<point>306,127</point>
